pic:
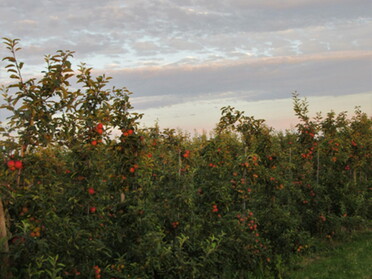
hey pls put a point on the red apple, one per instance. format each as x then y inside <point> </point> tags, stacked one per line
<point>18,164</point>
<point>11,165</point>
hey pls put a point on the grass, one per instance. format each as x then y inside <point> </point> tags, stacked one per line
<point>352,259</point>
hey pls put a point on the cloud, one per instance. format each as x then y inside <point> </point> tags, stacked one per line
<point>173,51</point>
<point>92,27</point>
<point>339,73</point>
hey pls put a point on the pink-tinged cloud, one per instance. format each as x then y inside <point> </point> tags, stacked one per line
<point>337,73</point>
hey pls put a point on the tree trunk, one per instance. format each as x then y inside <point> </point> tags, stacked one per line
<point>3,233</point>
<point>4,248</point>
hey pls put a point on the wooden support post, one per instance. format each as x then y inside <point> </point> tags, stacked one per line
<point>244,205</point>
<point>4,248</point>
<point>290,165</point>
<point>3,232</point>
<point>179,162</point>
<point>317,167</point>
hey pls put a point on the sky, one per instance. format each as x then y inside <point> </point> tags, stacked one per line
<point>185,60</point>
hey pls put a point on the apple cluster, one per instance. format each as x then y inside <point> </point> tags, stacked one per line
<point>15,165</point>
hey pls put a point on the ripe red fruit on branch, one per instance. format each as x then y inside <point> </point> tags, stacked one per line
<point>97,271</point>
<point>94,142</point>
<point>175,224</point>
<point>92,209</point>
<point>11,165</point>
<point>91,191</point>
<point>99,128</point>
<point>186,154</point>
<point>18,164</point>
<point>127,132</point>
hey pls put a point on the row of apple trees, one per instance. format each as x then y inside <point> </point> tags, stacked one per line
<point>86,193</point>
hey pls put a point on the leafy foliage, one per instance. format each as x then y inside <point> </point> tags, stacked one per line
<point>88,193</point>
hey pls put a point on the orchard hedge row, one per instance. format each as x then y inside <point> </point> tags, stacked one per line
<point>79,202</point>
